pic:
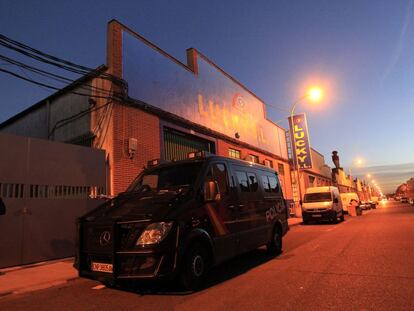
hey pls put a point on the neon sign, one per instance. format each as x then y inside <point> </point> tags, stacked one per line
<point>300,141</point>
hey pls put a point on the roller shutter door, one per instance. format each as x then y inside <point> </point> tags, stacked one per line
<point>178,144</point>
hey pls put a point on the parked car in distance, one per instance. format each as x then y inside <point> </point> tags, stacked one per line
<point>179,219</point>
<point>404,200</point>
<point>322,203</point>
<point>372,204</point>
<point>365,205</point>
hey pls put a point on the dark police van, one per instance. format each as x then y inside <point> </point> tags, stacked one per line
<point>178,219</point>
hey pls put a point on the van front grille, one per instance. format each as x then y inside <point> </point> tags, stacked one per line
<point>97,239</point>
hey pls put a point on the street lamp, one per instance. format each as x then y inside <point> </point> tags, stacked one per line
<point>359,162</point>
<point>314,94</point>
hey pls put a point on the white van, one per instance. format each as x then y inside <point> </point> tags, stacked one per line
<point>347,199</point>
<point>322,203</point>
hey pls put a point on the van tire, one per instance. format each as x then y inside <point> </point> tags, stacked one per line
<point>342,218</point>
<point>274,247</point>
<point>194,267</point>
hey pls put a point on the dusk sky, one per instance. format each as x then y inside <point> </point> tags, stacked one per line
<point>361,52</point>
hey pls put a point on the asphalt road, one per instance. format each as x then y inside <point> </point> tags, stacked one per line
<point>363,263</point>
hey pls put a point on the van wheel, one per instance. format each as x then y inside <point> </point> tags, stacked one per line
<point>274,248</point>
<point>342,218</point>
<point>195,267</point>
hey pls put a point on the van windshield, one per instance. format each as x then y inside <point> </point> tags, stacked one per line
<point>172,177</point>
<point>318,197</point>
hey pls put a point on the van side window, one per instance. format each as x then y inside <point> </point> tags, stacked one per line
<point>218,173</point>
<point>254,185</point>
<point>274,185</point>
<point>243,181</point>
<point>265,183</point>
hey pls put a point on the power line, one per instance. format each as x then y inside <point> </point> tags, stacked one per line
<point>49,86</point>
<point>60,63</point>
<point>52,76</point>
<point>50,59</point>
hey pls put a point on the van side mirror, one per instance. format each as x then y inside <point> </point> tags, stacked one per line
<point>2,207</point>
<point>211,191</point>
<point>335,200</point>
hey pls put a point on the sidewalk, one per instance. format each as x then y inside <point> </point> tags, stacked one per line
<point>294,221</point>
<point>24,279</point>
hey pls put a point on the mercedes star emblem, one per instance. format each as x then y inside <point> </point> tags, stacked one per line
<point>105,238</point>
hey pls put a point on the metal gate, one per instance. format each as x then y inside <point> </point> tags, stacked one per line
<point>178,144</point>
<point>45,186</point>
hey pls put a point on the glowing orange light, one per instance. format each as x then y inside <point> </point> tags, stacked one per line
<point>315,94</point>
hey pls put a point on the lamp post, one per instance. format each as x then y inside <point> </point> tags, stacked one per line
<point>314,94</point>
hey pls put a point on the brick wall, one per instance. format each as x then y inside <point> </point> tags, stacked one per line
<point>129,123</point>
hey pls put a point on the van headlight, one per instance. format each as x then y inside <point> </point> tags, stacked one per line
<point>154,233</point>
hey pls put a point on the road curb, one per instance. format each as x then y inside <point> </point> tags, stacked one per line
<point>30,278</point>
<point>40,286</point>
<point>34,265</point>
<point>295,221</point>
<point>295,224</point>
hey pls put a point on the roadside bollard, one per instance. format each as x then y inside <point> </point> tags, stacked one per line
<point>352,210</point>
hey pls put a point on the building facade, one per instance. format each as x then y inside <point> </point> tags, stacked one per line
<point>163,109</point>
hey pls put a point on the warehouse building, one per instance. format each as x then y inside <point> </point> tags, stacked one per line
<point>164,109</point>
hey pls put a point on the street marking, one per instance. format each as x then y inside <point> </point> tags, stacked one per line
<point>98,287</point>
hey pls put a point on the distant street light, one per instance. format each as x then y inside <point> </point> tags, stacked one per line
<point>359,162</point>
<point>314,94</point>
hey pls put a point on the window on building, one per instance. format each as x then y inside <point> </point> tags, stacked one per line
<point>268,163</point>
<point>233,153</point>
<point>281,169</point>
<point>254,158</point>
<point>311,180</point>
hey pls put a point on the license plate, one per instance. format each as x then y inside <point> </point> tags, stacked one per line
<point>316,215</point>
<point>101,267</point>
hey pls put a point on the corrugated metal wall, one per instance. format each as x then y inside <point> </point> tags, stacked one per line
<point>177,144</point>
